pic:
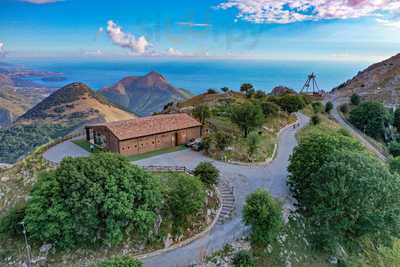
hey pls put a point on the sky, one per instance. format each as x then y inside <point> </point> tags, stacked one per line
<point>343,30</point>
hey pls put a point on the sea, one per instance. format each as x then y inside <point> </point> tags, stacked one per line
<point>199,75</point>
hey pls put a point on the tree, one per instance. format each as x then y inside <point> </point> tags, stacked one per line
<point>185,196</point>
<point>291,103</point>
<point>309,156</point>
<point>253,141</point>
<point>248,117</point>
<point>346,193</point>
<point>207,173</point>
<point>201,112</point>
<point>315,120</point>
<point>222,140</point>
<point>94,200</point>
<point>225,89</point>
<point>344,108</point>
<point>394,148</point>
<point>264,215</point>
<point>355,99</point>
<point>317,107</point>
<point>396,121</point>
<point>328,107</point>
<point>370,117</point>
<point>119,262</point>
<point>395,165</point>
<point>260,94</point>
<point>211,91</point>
<point>270,108</point>
<point>246,87</point>
<point>243,259</point>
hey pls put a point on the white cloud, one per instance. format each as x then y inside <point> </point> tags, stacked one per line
<point>136,45</point>
<point>174,52</point>
<point>290,11</point>
<point>97,52</point>
<point>389,23</point>
<point>41,2</point>
<point>191,24</point>
<point>2,51</point>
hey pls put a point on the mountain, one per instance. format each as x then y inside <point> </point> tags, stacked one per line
<point>15,101</point>
<point>380,81</point>
<point>64,111</point>
<point>144,95</point>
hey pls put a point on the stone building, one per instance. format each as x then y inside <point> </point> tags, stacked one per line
<point>141,135</point>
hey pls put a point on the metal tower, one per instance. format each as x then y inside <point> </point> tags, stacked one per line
<point>311,85</point>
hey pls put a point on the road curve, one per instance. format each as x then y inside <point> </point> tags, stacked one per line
<point>335,113</point>
<point>245,179</point>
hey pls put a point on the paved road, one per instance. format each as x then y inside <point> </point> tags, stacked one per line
<point>245,180</point>
<point>336,103</point>
<point>65,149</point>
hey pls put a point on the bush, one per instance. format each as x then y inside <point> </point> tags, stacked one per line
<point>370,117</point>
<point>9,223</point>
<point>394,148</point>
<point>94,200</point>
<point>317,107</point>
<point>253,141</point>
<point>315,120</point>
<point>395,165</point>
<point>264,215</point>
<point>344,108</point>
<point>246,87</point>
<point>260,94</point>
<point>309,156</point>
<point>270,109</point>
<point>211,91</point>
<point>291,103</point>
<point>243,259</point>
<point>185,196</point>
<point>207,173</point>
<point>328,107</point>
<point>248,117</point>
<point>222,140</point>
<point>355,99</point>
<point>225,89</point>
<point>344,132</point>
<point>396,120</point>
<point>119,262</point>
<point>346,193</point>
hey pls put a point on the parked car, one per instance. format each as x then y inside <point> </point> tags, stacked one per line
<point>195,144</point>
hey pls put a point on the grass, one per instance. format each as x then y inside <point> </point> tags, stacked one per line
<point>155,153</point>
<point>86,145</point>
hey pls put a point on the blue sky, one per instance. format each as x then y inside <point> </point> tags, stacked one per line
<point>349,30</point>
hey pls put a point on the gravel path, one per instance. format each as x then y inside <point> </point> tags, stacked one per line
<point>65,149</point>
<point>245,180</point>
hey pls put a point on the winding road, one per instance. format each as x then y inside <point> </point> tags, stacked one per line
<point>245,180</point>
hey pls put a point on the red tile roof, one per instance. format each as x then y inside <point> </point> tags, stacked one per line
<point>139,127</point>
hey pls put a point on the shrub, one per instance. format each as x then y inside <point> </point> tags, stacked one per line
<point>260,94</point>
<point>185,196</point>
<point>99,199</point>
<point>395,165</point>
<point>396,120</point>
<point>344,132</point>
<point>370,117</point>
<point>291,103</point>
<point>269,108</point>
<point>243,259</point>
<point>344,108</point>
<point>394,148</point>
<point>345,194</point>
<point>9,223</point>
<point>317,107</point>
<point>211,91</point>
<point>328,107</point>
<point>253,141</point>
<point>248,117</point>
<point>207,173</point>
<point>119,262</point>
<point>309,156</point>
<point>246,87</point>
<point>355,99</point>
<point>315,120</point>
<point>222,140</point>
<point>225,89</point>
<point>264,215</point>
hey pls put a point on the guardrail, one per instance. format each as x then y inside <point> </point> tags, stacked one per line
<point>155,168</point>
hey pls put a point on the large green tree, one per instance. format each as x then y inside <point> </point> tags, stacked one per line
<point>353,196</point>
<point>92,200</point>
<point>247,116</point>
<point>291,103</point>
<point>309,156</point>
<point>370,117</point>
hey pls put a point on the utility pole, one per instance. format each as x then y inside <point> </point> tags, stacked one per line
<point>28,248</point>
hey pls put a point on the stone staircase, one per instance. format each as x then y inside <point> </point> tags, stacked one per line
<point>228,201</point>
